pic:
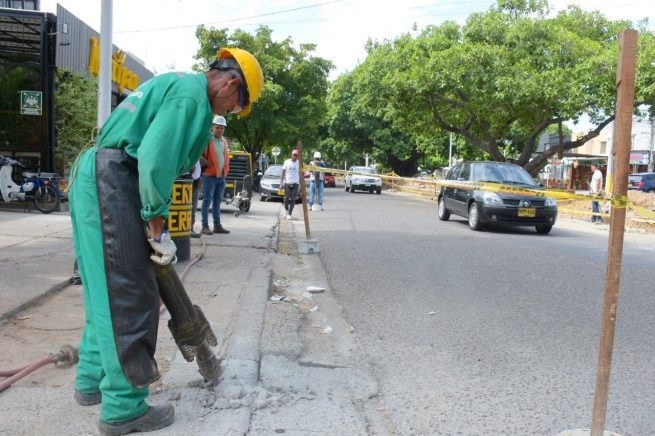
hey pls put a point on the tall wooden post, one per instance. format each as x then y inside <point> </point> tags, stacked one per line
<point>303,191</point>
<point>625,83</point>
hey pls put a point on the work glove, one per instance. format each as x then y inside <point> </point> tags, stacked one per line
<point>164,249</point>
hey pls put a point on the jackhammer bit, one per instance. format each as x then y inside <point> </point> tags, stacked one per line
<point>191,331</point>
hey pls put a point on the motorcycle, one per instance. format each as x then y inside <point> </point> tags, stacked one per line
<point>39,188</point>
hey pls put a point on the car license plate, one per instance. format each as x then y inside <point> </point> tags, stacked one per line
<point>527,212</point>
<point>280,192</point>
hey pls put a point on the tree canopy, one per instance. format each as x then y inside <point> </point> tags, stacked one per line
<point>498,81</point>
<point>292,104</point>
<point>76,114</point>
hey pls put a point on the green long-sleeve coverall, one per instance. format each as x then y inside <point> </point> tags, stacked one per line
<point>164,125</point>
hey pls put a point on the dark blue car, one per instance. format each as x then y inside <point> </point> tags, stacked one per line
<point>642,181</point>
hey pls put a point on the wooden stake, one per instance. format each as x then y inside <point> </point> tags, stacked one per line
<point>625,84</point>
<point>303,192</point>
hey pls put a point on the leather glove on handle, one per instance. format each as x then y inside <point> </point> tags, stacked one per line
<point>164,249</point>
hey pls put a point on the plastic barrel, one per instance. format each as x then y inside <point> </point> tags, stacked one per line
<point>179,217</point>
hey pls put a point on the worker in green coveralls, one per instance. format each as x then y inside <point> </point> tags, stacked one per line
<point>121,189</point>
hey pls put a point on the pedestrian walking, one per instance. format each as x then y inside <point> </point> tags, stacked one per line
<point>119,200</point>
<point>317,182</point>
<point>290,179</point>
<point>595,188</point>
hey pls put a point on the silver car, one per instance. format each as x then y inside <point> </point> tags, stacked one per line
<point>364,179</point>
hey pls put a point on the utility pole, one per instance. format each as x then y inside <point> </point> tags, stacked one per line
<point>104,77</point>
<point>625,88</point>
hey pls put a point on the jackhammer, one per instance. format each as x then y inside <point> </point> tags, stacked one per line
<point>191,330</point>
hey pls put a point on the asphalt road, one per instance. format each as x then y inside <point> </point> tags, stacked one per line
<point>492,332</point>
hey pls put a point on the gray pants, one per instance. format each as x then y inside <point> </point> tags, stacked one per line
<point>290,195</point>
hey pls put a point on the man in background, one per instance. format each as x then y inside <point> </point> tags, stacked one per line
<point>217,166</point>
<point>317,182</point>
<point>290,179</point>
<point>595,186</point>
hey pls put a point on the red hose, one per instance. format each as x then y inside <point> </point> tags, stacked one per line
<point>10,372</point>
<point>65,357</point>
<point>22,372</point>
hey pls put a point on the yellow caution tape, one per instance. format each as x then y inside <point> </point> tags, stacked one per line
<point>620,202</point>
<point>581,212</point>
<point>641,211</point>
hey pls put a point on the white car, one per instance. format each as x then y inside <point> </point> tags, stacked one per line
<point>363,179</point>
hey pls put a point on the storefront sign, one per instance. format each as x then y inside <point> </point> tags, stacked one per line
<point>639,157</point>
<point>31,102</point>
<point>120,74</point>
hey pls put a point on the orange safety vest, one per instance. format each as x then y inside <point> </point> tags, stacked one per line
<point>210,155</point>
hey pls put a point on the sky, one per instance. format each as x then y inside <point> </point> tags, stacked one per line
<point>161,32</point>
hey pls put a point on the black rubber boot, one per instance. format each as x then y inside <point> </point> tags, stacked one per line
<point>87,399</point>
<point>155,418</point>
<point>219,229</point>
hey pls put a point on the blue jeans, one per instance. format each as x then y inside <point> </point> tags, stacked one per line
<point>312,189</point>
<point>595,208</point>
<point>212,192</point>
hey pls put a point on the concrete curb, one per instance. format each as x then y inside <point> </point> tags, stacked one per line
<point>242,357</point>
<point>242,361</point>
<point>54,289</point>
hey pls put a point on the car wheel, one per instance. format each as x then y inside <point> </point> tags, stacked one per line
<point>474,217</point>
<point>262,197</point>
<point>442,212</point>
<point>370,191</point>
<point>650,191</point>
<point>379,191</point>
<point>352,189</point>
<point>543,229</point>
<point>347,188</point>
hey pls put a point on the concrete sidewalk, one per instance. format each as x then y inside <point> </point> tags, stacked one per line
<point>36,257</point>
<point>42,312</point>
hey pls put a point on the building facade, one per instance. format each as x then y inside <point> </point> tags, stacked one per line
<point>33,45</point>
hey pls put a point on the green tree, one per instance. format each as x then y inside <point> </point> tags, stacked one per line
<point>508,74</point>
<point>76,108</point>
<point>292,103</point>
<point>360,120</point>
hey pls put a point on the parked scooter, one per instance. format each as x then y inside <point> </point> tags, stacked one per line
<point>39,188</point>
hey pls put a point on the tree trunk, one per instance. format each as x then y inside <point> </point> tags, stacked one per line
<point>404,168</point>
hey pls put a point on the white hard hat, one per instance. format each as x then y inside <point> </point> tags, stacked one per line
<point>317,155</point>
<point>220,120</point>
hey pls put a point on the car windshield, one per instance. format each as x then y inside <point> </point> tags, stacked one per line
<point>502,173</point>
<point>273,171</point>
<point>366,170</point>
<point>635,178</point>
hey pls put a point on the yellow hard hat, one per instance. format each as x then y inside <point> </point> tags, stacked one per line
<point>252,73</point>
